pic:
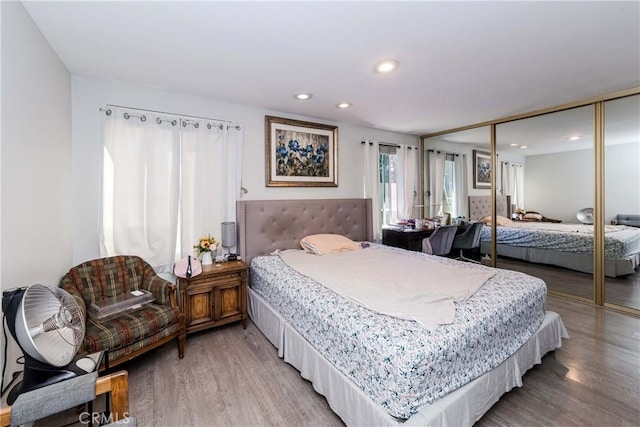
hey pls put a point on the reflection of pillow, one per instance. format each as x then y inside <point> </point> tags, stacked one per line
<point>535,216</point>
<point>500,220</point>
<point>321,244</point>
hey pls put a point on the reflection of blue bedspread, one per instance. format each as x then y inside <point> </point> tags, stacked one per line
<point>398,363</point>
<point>619,241</point>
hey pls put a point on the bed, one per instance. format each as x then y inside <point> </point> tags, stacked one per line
<point>564,245</point>
<point>376,369</point>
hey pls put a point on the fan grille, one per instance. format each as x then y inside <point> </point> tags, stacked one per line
<point>55,323</point>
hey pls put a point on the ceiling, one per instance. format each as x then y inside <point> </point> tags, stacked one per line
<point>460,62</point>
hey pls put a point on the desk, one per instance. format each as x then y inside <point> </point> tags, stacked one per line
<point>410,239</point>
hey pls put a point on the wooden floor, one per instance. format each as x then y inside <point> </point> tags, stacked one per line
<point>233,377</point>
<point>622,290</point>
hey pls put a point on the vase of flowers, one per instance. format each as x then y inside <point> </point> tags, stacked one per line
<point>206,247</point>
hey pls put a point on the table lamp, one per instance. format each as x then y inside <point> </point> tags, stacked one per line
<point>229,238</point>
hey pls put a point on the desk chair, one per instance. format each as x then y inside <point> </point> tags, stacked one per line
<point>439,243</point>
<point>468,239</point>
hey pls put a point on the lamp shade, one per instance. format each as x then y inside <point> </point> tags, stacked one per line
<point>228,234</point>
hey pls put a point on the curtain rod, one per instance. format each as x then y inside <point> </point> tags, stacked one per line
<point>390,145</point>
<point>228,123</point>
<point>431,150</point>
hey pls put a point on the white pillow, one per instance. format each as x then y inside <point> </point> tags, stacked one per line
<point>321,244</point>
<point>500,220</point>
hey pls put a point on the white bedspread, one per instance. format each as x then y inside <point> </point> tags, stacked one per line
<point>415,289</point>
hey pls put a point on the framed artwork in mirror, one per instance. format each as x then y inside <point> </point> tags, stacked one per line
<point>300,154</point>
<point>481,169</point>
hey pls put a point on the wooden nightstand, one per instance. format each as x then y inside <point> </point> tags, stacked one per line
<point>215,297</point>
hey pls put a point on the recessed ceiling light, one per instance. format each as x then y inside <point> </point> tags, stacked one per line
<point>524,146</point>
<point>513,145</point>
<point>574,138</point>
<point>303,96</point>
<point>386,66</point>
<point>344,105</point>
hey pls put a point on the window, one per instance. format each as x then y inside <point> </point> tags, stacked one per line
<point>388,184</point>
<point>449,188</point>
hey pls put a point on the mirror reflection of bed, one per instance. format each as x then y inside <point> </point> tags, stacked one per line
<point>561,253</point>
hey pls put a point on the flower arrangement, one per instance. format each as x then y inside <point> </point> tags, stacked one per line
<point>520,211</point>
<point>206,244</point>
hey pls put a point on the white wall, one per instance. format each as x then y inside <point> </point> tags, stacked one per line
<point>558,185</point>
<point>621,180</point>
<point>36,158</point>
<point>90,94</point>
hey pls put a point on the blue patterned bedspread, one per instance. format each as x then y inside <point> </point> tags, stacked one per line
<point>398,363</point>
<point>619,241</point>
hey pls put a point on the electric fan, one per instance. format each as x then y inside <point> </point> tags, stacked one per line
<point>48,325</point>
<point>585,215</point>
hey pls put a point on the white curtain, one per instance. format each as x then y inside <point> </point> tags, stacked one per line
<point>517,196</point>
<point>513,183</point>
<point>167,183</point>
<point>141,175</point>
<point>461,185</point>
<point>371,183</point>
<point>407,192</point>
<point>436,182</point>
<point>201,185</point>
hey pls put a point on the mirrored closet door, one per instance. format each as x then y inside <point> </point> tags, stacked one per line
<point>457,183</point>
<point>622,201</point>
<point>546,169</point>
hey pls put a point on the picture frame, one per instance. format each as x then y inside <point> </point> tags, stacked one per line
<point>481,169</point>
<point>300,154</point>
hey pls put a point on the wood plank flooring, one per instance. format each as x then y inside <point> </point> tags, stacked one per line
<point>623,290</point>
<point>233,377</point>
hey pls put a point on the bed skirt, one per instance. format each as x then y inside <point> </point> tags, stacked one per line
<point>463,407</point>
<point>613,267</point>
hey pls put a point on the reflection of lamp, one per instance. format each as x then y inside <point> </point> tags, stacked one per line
<point>585,215</point>
<point>229,238</point>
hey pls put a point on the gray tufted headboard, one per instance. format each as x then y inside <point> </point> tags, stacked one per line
<point>267,225</point>
<point>480,206</point>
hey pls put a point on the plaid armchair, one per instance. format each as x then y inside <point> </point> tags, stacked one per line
<point>130,334</point>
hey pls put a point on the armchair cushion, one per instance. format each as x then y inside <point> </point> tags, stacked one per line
<point>128,328</point>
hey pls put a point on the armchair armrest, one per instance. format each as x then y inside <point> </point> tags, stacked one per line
<point>67,284</point>
<point>163,291</point>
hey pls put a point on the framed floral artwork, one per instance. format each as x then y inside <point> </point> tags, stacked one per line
<point>300,154</point>
<point>481,169</point>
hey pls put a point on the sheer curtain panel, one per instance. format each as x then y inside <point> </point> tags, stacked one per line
<point>167,181</point>
<point>371,183</point>
<point>461,186</point>
<point>141,175</point>
<point>436,182</point>
<point>513,182</point>
<point>408,189</point>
